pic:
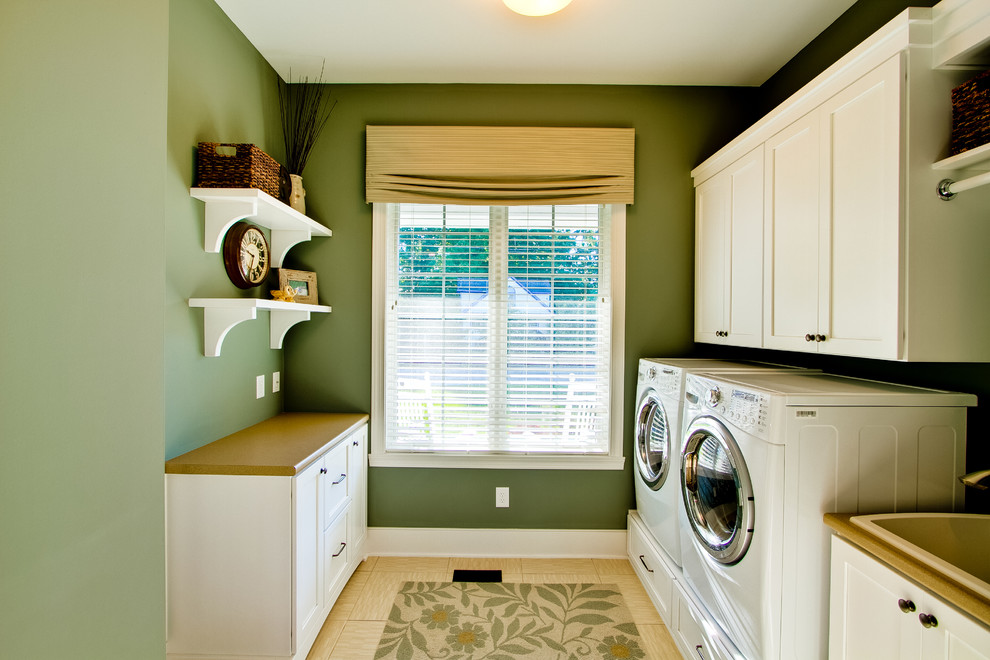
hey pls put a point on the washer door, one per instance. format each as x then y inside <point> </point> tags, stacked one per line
<point>652,441</point>
<point>718,495</point>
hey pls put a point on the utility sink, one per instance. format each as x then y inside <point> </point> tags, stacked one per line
<point>954,544</point>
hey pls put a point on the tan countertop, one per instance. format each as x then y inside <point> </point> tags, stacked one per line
<point>927,576</point>
<point>280,446</point>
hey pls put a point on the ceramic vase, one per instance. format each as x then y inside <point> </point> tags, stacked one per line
<point>297,198</point>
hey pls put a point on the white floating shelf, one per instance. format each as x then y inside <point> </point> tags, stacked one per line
<point>225,206</point>
<point>222,314</point>
<point>977,158</point>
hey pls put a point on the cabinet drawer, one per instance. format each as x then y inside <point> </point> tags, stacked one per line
<point>652,569</point>
<point>694,632</point>
<point>335,483</point>
<point>335,554</point>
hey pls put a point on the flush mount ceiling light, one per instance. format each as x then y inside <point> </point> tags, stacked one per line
<point>536,7</point>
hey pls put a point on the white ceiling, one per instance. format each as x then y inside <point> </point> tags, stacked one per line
<point>633,42</point>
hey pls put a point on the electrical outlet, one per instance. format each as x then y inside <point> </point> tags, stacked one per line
<point>501,497</point>
<point>276,382</point>
<point>259,387</point>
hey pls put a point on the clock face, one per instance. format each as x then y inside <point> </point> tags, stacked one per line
<point>254,256</point>
<point>246,255</point>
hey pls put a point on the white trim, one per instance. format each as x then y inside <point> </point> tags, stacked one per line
<point>498,462</point>
<point>455,542</point>
<point>614,461</point>
<point>959,34</point>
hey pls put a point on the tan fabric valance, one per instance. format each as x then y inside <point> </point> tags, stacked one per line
<point>504,165</point>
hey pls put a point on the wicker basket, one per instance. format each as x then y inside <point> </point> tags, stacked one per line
<point>226,165</point>
<point>971,114</point>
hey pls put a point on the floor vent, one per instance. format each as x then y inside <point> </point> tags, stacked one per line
<point>477,576</point>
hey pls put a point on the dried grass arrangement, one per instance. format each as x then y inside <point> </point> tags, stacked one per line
<point>305,108</point>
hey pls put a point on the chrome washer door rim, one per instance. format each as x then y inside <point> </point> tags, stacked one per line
<point>652,440</point>
<point>718,493</point>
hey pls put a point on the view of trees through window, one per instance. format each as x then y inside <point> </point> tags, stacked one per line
<point>500,327</point>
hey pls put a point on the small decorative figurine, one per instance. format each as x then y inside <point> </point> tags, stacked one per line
<point>286,294</point>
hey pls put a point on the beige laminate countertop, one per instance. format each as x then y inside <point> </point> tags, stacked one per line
<point>928,577</point>
<point>280,446</point>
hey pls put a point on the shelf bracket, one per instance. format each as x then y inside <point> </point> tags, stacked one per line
<point>217,322</point>
<point>283,240</point>
<point>281,321</point>
<point>219,218</point>
<point>947,188</point>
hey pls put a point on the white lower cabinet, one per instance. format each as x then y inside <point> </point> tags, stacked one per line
<point>696,634</point>
<point>876,612</point>
<point>357,468</point>
<point>653,571</point>
<point>255,563</point>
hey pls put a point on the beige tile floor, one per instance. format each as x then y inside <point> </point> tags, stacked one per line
<point>355,624</point>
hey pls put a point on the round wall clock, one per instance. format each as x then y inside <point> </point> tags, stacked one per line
<point>246,255</point>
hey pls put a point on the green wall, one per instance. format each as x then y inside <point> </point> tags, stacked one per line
<point>328,360</point>
<point>219,90</point>
<point>82,129</point>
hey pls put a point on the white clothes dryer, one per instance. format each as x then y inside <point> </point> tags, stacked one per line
<point>765,456</point>
<point>659,399</point>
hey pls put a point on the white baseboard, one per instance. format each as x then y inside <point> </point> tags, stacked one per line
<point>454,542</point>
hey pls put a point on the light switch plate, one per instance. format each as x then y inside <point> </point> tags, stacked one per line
<point>501,497</point>
<point>259,388</point>
<point>276,381</point>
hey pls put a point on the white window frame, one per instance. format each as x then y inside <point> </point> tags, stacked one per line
<point>614,460</point>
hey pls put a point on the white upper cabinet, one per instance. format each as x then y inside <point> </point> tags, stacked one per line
<point>860,255</point>
<point>728,245</point>
<point>832,224</point>
<point>792,235</point>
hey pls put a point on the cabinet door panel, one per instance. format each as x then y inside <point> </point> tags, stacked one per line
<point>357,469</point>
<point>957,637</point>
<point>745,285</point>
<point>792,235</point>
<point>860,216</point>
<point>865,621</point>
<point>711,275</point>
<point>308,535</point>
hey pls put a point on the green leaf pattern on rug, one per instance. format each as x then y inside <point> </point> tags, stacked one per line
<point>505,621</point>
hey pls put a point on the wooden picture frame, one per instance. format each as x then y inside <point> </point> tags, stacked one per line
<point>303,283</point>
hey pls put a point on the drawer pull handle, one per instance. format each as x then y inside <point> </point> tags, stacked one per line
<point>356,443</point>
<point>342,477</point>
<point>907,606</point>
<point>342,546</point>
<point>642,561</point>
<point>323,470</point>
<point>928,620</point>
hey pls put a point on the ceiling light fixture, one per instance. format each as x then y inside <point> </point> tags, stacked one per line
<point>536,7</point>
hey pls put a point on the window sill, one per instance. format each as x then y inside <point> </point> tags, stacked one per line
<point>500,462</point>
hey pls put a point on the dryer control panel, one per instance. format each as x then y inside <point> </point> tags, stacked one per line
<point>746,409</point>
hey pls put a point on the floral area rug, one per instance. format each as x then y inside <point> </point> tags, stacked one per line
<point>506,621</point>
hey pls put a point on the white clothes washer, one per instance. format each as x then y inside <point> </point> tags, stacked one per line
<point>659,399</point>
<point>766,455</point>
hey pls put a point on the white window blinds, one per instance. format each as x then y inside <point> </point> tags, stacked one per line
<point>497,329</point>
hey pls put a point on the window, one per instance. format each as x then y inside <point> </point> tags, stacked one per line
<point>499,340</point>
